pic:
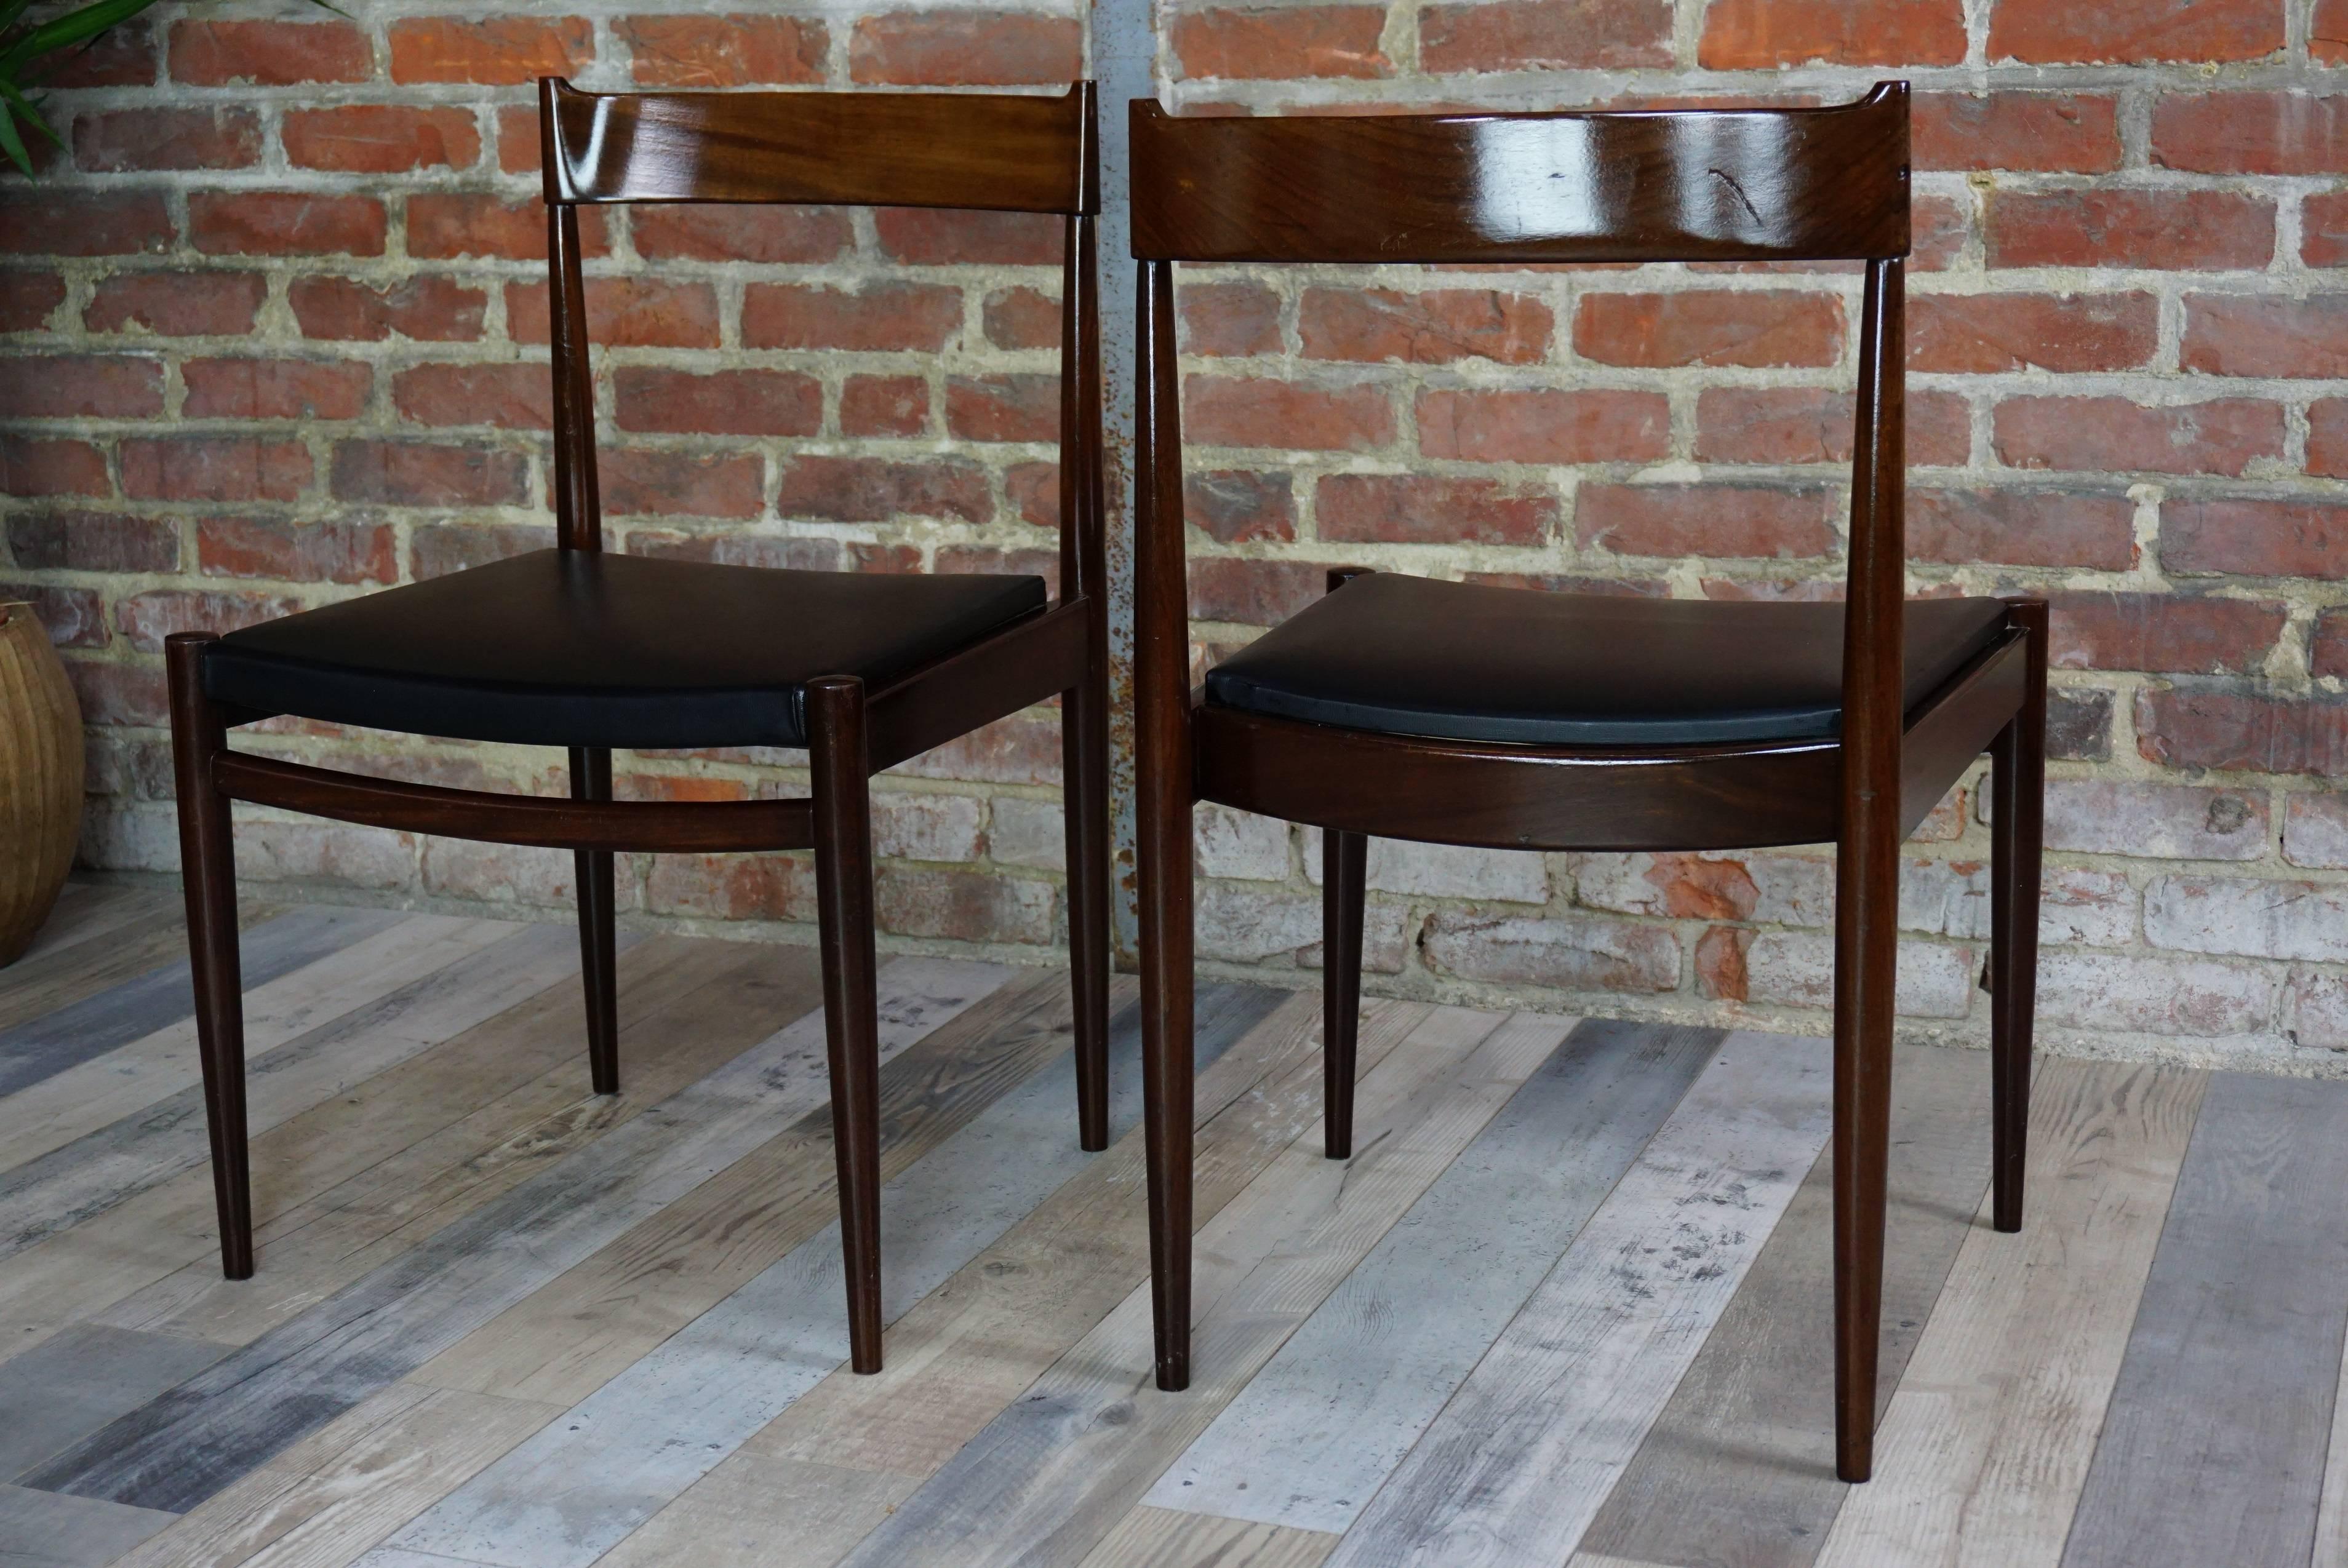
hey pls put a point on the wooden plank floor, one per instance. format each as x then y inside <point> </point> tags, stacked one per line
<point>1567,1305</point>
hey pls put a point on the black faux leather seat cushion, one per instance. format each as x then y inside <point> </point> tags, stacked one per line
<point>1412,656</point>
<point>568,647</point>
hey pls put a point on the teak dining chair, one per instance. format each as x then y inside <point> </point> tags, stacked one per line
<point>576,648</point>
<point>1453,714</point>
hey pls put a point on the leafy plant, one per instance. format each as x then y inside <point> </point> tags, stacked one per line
<point>23,46</point>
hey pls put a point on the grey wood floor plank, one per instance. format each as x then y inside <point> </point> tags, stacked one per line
<point>186,1445</point>
<point>1322,1426</point>
<point>2331,1514</point>
<point>34,1050</point>
<point>755,1512</point>
<point>42,1530</point>
<point>1516,1466</point>
<point>574,1490</point>
<point>87,909</point>
<point>1738,1471</point>
<point>1162,1538</point>
<point>2213,1445</point>
<point>87,1376</point>
<point>101,1168</point>
<point>32,988</point>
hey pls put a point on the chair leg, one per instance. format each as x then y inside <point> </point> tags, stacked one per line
<point>1344,869</point>
<point>1168,1068</point>
<point>1084,719</point>
<point>2018,782</point>
<point>840,761</point>
<point>1866,902</point>
<point>590,779</point>
<point>208,878</point>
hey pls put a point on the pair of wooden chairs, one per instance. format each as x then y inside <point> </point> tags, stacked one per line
<point>1397,706</point>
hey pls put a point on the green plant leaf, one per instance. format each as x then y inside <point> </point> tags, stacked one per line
<point>13,144</point>
<point>73,27</point>
<point>29,110</point>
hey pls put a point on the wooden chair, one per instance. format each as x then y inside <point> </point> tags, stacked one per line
<point>572,646</point>
<point>1453,714</point>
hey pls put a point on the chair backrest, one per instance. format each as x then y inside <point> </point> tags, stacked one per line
<point>987,152</point>
<point>1697,185</point>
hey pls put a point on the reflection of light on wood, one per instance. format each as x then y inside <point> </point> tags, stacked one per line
<point>1539,180</point>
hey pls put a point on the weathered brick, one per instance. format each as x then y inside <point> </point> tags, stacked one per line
<point>1721,972</point>
<point>28,298</point>
<point>1750,35</point>
<point>1674,886</point>
<point>1427,509</point>
<point>1015,407</point>
<point>884,406</point>
<point>929,825</point>
<point>498,50</point>
<point>2327,645</point>
<point>1813,425</point>
<point>733,887</point>
<point>381,139</point>
<point>955,48</point>
<point>30,468</point>
<point>1543,426</point>
<point>70,617</point>
<point>2189,231</point>
<point>624,313</point>
<point>874,489</point>
<point>963,906</point>
<point>124,141</point>
<point>1022,318</point>
<point>83,222</point>
<point>2018,527</point>
<point>296,552</point>
<point>2112,435</point>
<point>2189,998</point>
<point>215,468</point>
<point>932,237</point>
<point>1790,968</point>
<point>1426,326</point>
<point>1566,953</point>
<point>713,233</point>
<point>719,403</point>
<point>2051,32</point>
<point>436,549</point>
<point>636,480</point>
<point>2315,831</point>
<point>1706,519</point>
<point>221,54</point>
<point>2250,133</point>
<point>1235,843</point>
<point>1229,411</point>
<point>1439,870</point>
<point>428,308</point>
<point>1227,318</point>
<point>2079,725</point>
<point>81,386</point>
<point>2323,229</point>
<point>1710,327</point>
<point>506,873</point>
<point>275,388</point>
<point>1292,41</point>
<point>147,619</point>
<point>123,57</point>
<point>1546,35</point>
<point>2241,728</point>
<point>422,473</point>
<point>2327,38</point>
<point>91,541</point>
<point>1235,504</point>
<point>879,318</point>
<point>2237,335</point>
<point>1253,592</point>
<point>1020,750</point>
<point>2038,132</point>
<point>177,305</point>
<point>2248,916</point>
<point>285,223</point>
<point>2315,1010</point>
<point>1990,333</point>
<point>2172,633</point>
<point>511,396</point>
<point>2255,538</point>
<point>738,50</point>
<point>274,850</point>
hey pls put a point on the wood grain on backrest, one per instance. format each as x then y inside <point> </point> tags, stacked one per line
<point>1685,186</point>
<point>992,152</point>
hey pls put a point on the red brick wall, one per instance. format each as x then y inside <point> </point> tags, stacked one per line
<point>274,339</point>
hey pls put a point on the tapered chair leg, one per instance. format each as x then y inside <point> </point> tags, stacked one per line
<point>1344,876</point>
<point>1168,1068</point>
<point>1866,960</point>
<point>1084,720</point>
<point>590,779</point>
<point>2018,787</point>
<point>839,758</point>
<point>208,878</point>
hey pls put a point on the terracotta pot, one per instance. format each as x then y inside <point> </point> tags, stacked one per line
<point>40,778</point>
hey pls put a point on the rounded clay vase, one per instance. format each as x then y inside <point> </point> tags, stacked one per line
<point>40,778</point>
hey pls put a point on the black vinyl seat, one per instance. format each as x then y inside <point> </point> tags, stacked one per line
<point>1415,656</point>
<point>576,648</point>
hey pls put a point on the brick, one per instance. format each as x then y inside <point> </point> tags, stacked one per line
<point>505,873</point>
<point>2233,334</point>
<point>83,223</point>
<point>111,693</point>
<point>624,313</point>
<point>2252,918</point>
<point>436,549</point>
<point>875,489</point>
<point>2194,999</point>
<point>1938,228</point>
<point>1426,326</point>
<point>2165,632</point>
<point>1233,505</point>
<point>91,541</point>
<point>1025,831</point>
<point>2055,133</point>
<point>498,51</point>
<point>81,386</point>
<point>724,233</point>
<point>2315,831</point>
<point>1673,886</point>
<point>1022,318</point>
<point>720,403</point>
<point>275,388</point>
<point>1016,750</point>
<point>148,618</point>
<point>963,906</point>
<point>1710,327</point>
<point>738,50</point>
<point>177,305</point>
<point>381,139</point>
<point>2102,435</point>
<point>124,141</point>
<point>28,299</point>
<point>71,617</point>
<point>2315,1012</point>
<point>1787,969</point>
<point>1440,870</point>
<point>121,56</point>
<point>1790,425</point>
<point>733,887</point>
<point>421,474</point>
<point>1222,411</point>
<point>2095,908</point>
<point>1566,953</point>
<point>221,54</point>
<point>446,225</point>
<point>2052,32</point>
<point>681,483</point>
<point>1020,407</point>
<point>884,406</point>
<point>510,396</point>
<point>1235,843</point>
<point>2323,229</point>
<point>1720,971</point>
<point>285,223</point>
<point>2187,231</point>
<point>2240,728</point>
<point>1750,35</point>
<point>30,468</point>
<point>1290,42</point>
<point>2255,538</point>
<point>1250,925</point>
<point>1706,519</point>
<point>298,552</point>
<point>733,547</point>
<point>2252,133</point>
<point>1543,426</point>
<point>2327,38</point>
<point>2019,527</point>
<point>1546,35</point>
<point>215,468</point>
<point>929,825</point>
<point>1427,509</point>
<point>2327,650</point>
<point>879,318</point>
<point>1229,319</point>
<point>929,237</point>
<point>1984,334</point>
<point>428,308</point>
<point>2079,725</point>
<point>957,49</point>
<point>1253,592</point>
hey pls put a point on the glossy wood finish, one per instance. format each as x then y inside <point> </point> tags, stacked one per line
<point>1010,153</point>
<point>1694,186</point>
<point>2017,835</point>
<point>1345,865</point>
<point>1698,186</point>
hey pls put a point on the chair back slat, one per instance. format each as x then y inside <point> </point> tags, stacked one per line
<point>1705,185</point>
<point>992,152</point>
